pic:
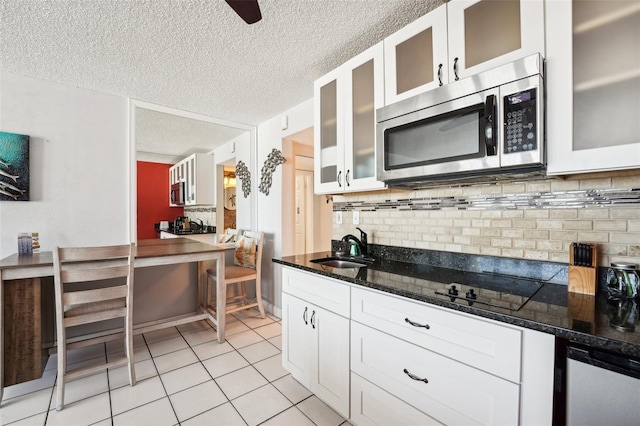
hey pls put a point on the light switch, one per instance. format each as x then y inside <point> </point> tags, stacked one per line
<point>356,217</point>
<point>339,218</point>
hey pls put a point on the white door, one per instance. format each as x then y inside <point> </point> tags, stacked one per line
<point>300,214</point>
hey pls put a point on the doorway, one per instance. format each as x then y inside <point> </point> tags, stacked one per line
<point>307,218</point>
<point>304,235</point>
<point>229,193</point>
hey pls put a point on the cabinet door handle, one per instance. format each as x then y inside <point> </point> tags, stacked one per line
<point>414,377</point>
<point>340,178</point>
<point>440,74</point>
<point>304,315</point>
<point>313,319</point>
<point>415,324</point>
<point>455,69</point>
<point>346,178</point>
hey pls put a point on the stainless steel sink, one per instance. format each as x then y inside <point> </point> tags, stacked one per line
<point>338,263</point>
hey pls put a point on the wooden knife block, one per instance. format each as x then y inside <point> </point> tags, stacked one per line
<point>582,279</point>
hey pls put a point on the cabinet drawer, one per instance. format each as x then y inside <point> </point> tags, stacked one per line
<point>451,392</point>
<point>327,293</point>
<point>371,405</point>
<point>480,343</point>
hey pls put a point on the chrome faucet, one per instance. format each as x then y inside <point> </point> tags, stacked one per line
<point>362,242</point>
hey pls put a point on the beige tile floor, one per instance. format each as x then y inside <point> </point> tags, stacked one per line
<point>185,377</point>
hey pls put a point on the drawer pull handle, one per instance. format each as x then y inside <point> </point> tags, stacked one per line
<point>414,377</point>
<point>415,324</point>
<point>304,315</point>
<point>313,319</point>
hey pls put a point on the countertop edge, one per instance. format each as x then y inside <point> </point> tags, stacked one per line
<point>628,349</point>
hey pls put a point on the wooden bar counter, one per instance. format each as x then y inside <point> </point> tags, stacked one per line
<point>23,280</point>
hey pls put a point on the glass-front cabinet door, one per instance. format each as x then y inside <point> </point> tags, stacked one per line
<point>328,133</point>
<point>416,57</point>
<point>593,85</point>
<point>364,94</point>
<point>345,101</point>
<point>483,34</point>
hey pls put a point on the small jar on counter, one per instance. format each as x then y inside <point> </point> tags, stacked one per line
<point>623,280</point>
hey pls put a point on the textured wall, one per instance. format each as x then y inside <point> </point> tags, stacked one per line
<point>534,219</point>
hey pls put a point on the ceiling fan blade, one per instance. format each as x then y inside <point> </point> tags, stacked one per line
<point>249,10</point>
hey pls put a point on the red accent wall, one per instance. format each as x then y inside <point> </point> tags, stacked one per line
<point>153,198</point>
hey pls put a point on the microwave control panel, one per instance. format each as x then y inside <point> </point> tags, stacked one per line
<point>520,127</point>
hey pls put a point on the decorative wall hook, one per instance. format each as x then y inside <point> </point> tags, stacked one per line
<point>242,173</point>
<point>274,159</point>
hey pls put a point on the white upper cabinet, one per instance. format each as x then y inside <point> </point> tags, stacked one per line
<point>345,101</point>
<point>593,85</point>
<point>486,33</point>
<point>416,57</point>
<point>459,39</point>
<point>196,171</point>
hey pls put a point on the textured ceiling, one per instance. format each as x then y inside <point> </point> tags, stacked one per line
<point>195,55</point>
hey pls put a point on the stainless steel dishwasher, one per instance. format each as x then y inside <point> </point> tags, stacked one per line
<point>602,388</point>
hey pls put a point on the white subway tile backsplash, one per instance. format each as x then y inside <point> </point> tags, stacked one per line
<point>593,237</point>
<point>536,219</point>
<point>550,224</point>
<point>599,213</point>
<point>580,225</point>
<point>611,225</point>
<point>501,223</point>
<point>513,233</point>
<point>626,238</point>
<point>524,223</point>
<point>536,214</point>
<point>563,214</point>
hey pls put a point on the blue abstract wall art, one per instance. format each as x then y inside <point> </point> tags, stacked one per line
<point>14,167</point>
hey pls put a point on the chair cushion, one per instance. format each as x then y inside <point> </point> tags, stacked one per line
<point>245,253</point>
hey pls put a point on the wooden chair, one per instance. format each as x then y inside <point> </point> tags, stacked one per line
<point>230,235</point>
<point>250,243</point>
<point>92,300</point>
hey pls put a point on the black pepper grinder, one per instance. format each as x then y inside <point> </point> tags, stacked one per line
<point>363,240</point>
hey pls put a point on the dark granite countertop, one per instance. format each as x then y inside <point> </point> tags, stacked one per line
<point>589,320</point>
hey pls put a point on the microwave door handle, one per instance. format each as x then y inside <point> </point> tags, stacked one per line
<point>490,125</point>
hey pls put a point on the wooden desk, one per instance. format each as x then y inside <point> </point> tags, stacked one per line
<point>149,253</point>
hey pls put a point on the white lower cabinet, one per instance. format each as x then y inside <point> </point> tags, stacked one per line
<point>388,360</point>
<point>371,405</point>
<point>449,391</point>
<point>315,341</point>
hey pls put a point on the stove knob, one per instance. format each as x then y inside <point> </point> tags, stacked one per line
<point>453,291</point>
<point>471,294</point>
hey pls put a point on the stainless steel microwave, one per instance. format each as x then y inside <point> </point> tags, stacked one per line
<point>489,123</point>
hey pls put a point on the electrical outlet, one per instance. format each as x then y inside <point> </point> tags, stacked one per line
<point>356,217</point>
<point>339,218</point>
